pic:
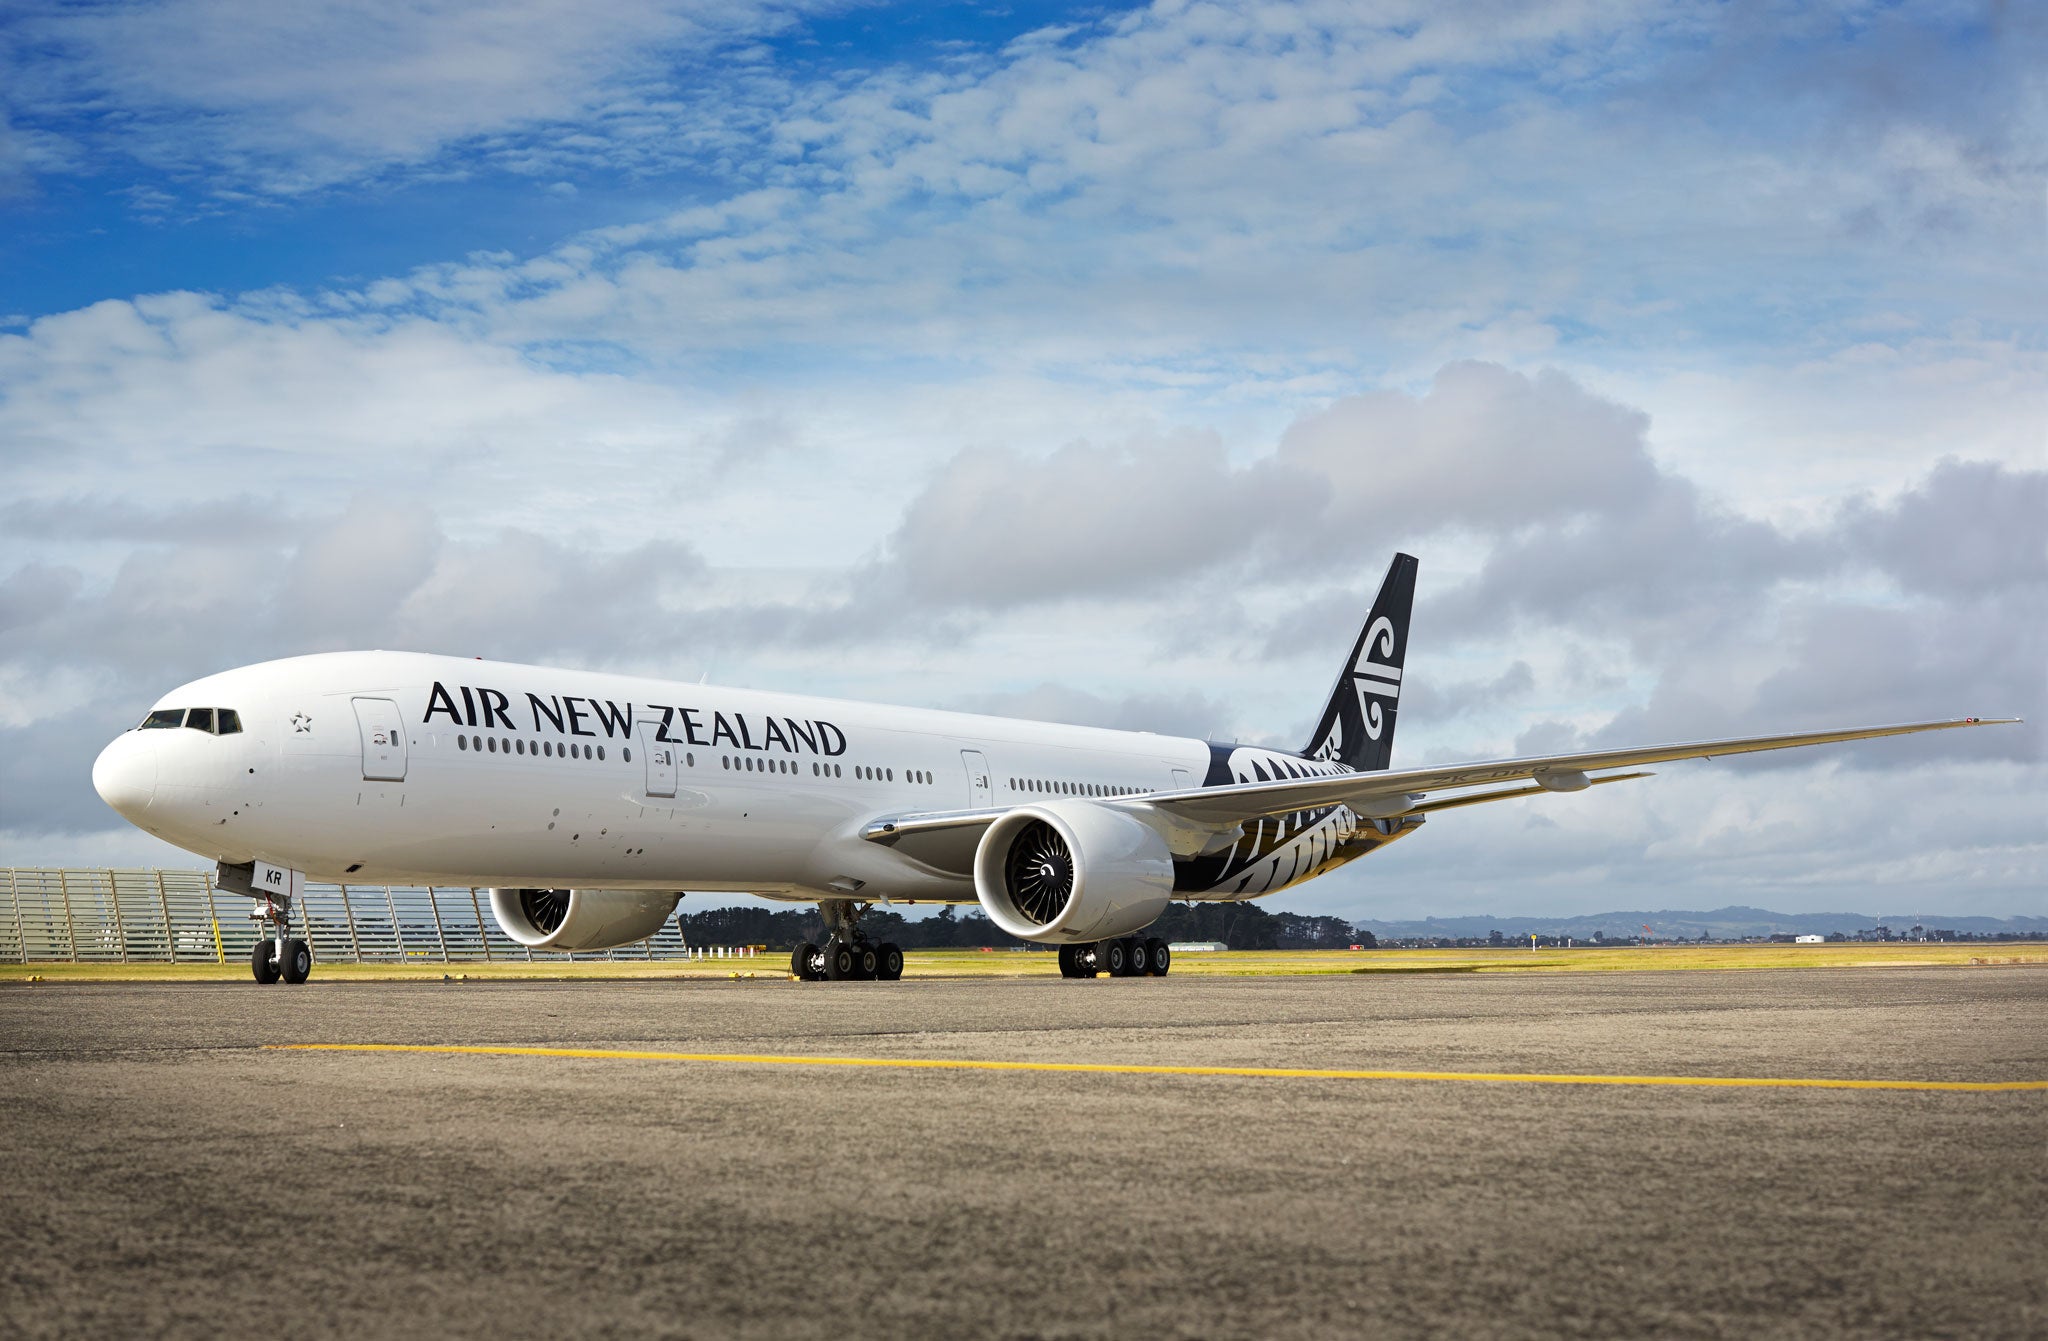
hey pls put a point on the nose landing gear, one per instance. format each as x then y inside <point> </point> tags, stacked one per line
<point>278,954</point>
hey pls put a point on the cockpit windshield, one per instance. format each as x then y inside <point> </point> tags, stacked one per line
<point>213,721</point>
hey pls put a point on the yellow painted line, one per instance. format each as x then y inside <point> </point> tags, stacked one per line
<point>1121,1069</point>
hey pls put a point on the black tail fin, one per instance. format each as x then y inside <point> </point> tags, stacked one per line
<point>1357,728</point>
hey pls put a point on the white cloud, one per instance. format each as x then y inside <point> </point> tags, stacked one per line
<point>292,98</point>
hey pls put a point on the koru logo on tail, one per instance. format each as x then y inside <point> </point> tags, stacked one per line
<point>1374,679</point>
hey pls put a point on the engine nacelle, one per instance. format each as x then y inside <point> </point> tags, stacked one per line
<point>1067,872</point>
<point>580,919</point>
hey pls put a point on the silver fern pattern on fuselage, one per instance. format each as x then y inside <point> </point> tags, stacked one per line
<point>1283,850</point>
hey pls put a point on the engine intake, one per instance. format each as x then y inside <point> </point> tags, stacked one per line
<point>581,919</point>
<point>1068,872</point>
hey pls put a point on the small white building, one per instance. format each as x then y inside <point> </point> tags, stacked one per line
<point>1808,940</point>
<point>1196,947</point>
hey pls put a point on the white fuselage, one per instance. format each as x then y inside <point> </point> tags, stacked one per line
<point>392,767</point>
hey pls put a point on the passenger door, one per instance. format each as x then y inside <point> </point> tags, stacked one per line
<point>980,786</point>
<point>383,731</point>
<point>661,762</point>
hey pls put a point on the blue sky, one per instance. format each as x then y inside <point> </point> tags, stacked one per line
<point>117,212</point>
<point>1080,361</point>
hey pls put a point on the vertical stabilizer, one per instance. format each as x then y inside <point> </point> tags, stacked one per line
<point>1357,727</point>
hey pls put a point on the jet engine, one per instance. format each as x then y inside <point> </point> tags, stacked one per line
<point>580,919</point>
<point>1068,872</point>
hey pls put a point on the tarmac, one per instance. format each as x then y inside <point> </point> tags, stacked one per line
<point>168,1170</point>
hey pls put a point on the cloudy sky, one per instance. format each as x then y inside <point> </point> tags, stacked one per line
<point>1076,362</point>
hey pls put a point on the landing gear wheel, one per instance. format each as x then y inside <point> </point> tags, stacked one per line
<point>263,963</point>
<point>841,964</point>
<point>800,962</point>
<point>1115,956</point>
<point>867,962</point>
<point>1141,958</point>
<point>890,969</point>
<point>1080,961</point>
<point>298,961</point>
<point>1158,957</point>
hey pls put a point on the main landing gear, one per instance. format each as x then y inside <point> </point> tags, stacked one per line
<point>846,956</point>
<point>277,953</point>
<point>1124,957</point>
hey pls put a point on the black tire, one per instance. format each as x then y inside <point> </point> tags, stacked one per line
<point>1069,967</point>
<point>298,961</point>
<point>1115,956</point>
<point>262,963</point>
<point>867,962</point>
<point>1159,957</point>
<point>1141,957</point>
<point>800,962</point>
<point>841,964</point>
<point>891,967</point>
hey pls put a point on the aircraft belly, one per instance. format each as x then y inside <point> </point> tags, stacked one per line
<point>468,822</point>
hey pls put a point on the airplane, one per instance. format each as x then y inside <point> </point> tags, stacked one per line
<point>589,803</point>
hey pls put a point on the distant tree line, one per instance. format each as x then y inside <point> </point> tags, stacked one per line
<point>1241,926</point>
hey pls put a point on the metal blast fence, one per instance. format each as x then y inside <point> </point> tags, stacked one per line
<point>179,917</point>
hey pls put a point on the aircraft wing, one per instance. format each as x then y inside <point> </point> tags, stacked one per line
<point>946,839</point>
<point>1398,791</point>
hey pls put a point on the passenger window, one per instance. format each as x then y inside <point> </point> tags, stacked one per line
<point>627,754</point>
<point>200,719</point>
<point>162,718</point>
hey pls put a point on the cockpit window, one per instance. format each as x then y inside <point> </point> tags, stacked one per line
<point>216,721</point>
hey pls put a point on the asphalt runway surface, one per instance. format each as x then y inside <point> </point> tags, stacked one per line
<point>167,1174</point>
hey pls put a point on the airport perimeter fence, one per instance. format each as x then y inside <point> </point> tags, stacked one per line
<point>179,917</point>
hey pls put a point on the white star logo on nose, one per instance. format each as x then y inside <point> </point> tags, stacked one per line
<point>301,722</point>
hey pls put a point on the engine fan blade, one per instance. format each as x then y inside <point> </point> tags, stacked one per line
<point>544,908</point>
<point>1041,873</point>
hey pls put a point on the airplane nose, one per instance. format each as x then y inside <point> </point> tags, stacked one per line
<point>125,775</point>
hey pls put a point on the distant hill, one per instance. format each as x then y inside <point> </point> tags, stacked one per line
<point>1719,924</point>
